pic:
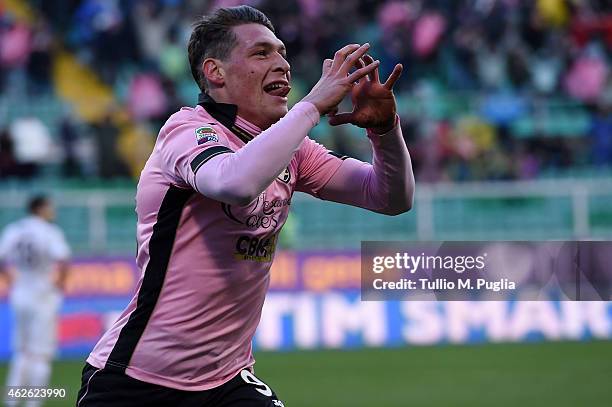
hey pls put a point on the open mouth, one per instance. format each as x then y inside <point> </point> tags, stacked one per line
<point>278,88</point>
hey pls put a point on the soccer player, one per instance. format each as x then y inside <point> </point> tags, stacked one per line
<point>211,201</point>
<point>39,253</point>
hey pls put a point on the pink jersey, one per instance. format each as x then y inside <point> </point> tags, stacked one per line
<point>205,264</point>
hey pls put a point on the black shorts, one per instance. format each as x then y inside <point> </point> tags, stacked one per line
<point>108,388</point>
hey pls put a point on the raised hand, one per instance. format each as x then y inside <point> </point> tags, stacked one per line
<point>373,103</point>
<point>337,80</point>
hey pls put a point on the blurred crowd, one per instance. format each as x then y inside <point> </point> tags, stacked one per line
<point>492,89</point>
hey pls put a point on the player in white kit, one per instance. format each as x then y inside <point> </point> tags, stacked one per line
<point>38,252</point>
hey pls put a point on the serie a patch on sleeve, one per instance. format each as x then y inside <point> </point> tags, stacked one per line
<point>206,134</point>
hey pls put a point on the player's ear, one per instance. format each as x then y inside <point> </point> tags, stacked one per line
<point>213,71</point>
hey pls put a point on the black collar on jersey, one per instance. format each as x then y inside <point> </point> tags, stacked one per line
<point>226,114</point>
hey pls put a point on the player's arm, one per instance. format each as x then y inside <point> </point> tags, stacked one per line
<point>240,177</point>
<point>63,267</point>
<point>387,185</point>
<point>5,247</point>
<point>60,252</point>
<point>5,274</point>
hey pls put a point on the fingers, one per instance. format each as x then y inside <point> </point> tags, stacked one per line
<point>359,64</point>
<point>327,64</point>
<point>341,118</point>
<point>341,55</point>
<point>373,75</point>
<point>361,72</point>
<point>397,71</point>
<point>352,58</point>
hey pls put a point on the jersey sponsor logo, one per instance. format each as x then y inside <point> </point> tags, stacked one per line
<point>261,213</point>
<point>270,206</point>
<point>261,221</point>
<point>255,248</point>
<point>285,176</point>
<point>206,134</point>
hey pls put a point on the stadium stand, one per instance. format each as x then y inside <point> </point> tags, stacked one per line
<point>494,91</point>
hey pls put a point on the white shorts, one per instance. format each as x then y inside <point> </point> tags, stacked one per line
<point>35,322</point>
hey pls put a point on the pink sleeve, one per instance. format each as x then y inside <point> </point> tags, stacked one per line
<point>240,177</point>
<point>316,165</point>
<point>187,147</point>
<point>386,186</point>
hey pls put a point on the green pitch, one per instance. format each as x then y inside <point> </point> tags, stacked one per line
<point>539,375</point>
